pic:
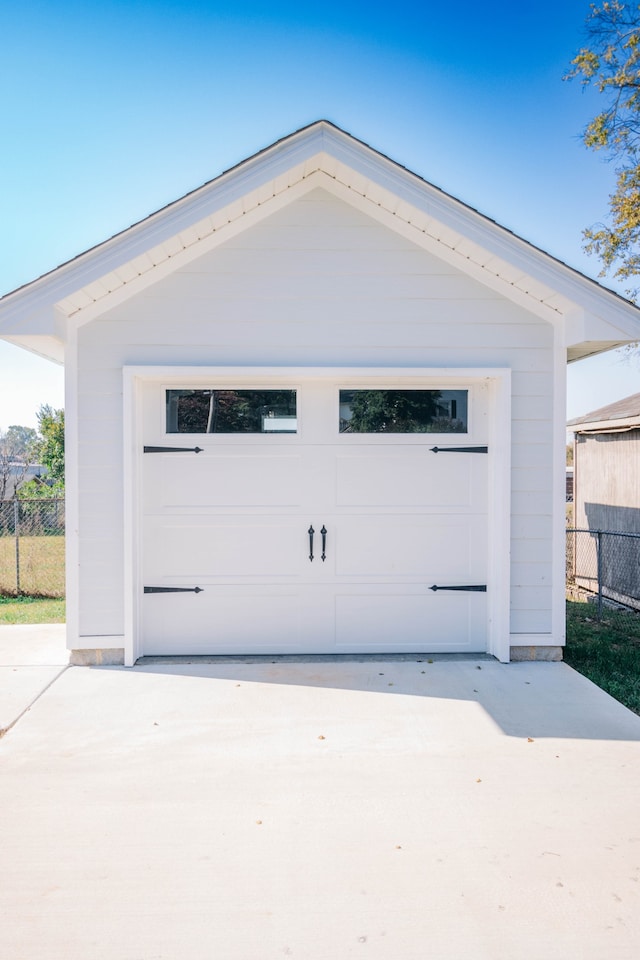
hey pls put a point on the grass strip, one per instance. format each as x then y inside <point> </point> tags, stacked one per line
<point>31,610</point>
<point>606,651</point>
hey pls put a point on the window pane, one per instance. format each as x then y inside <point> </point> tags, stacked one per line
<point>403,411</point>
<point>231,411</point>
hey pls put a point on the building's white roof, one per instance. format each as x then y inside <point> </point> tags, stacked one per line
<point>37,315</point>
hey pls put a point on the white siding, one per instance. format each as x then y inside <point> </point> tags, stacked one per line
<point>316,283</point>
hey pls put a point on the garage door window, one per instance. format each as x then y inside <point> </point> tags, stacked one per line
<point>403,411</point>
<point>231,411</point>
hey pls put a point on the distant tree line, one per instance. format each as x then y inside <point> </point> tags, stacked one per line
<point>23,447</point>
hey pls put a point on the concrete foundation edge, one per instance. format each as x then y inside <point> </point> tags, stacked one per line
<point>114,656</point>
<point>97,657</point>
<point>548,654</point>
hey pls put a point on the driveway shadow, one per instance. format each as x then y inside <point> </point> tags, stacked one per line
<point>522,699</point>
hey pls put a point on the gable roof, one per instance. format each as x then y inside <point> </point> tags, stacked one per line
<point>615,417</point>
<point>38,314</point>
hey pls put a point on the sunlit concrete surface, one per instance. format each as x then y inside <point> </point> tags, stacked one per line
<point>31,657</point>
<point>324,810</point>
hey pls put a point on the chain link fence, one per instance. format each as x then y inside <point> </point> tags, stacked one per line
<point>603,567</point>
<point>32,548</point>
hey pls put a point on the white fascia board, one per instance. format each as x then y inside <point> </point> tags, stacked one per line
<point>213,231</point>
<point>477,228</point>
<point>495,256</point>
<point>227,222</point>
<point>425,232</point>
<point>287,159</point>
<point>99,279</point>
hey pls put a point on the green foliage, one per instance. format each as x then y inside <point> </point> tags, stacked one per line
<point>41,488</point>
<point>231,411</point>
<point>395,411</point>
<point>21,442</point>
<point>50,446</point>
<point>16,452</point>
<point>611,64</point>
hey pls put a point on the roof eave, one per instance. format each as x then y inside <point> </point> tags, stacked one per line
<point>593,348</point>
<point>50,348</point>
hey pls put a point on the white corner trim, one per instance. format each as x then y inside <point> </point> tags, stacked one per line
<point>499,514</point>
<point>559,523</point>
<point>72,493</point>
<point>132,573</point>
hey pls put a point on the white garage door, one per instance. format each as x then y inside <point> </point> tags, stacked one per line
<point>314,518</point>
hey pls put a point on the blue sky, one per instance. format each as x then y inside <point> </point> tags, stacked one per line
<point>110,111</point>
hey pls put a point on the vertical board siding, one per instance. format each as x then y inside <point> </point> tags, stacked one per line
<point>317,283</point>
<point>607,497</point>
<point>607,481</point>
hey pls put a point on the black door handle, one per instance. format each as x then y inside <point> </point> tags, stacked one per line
<point>311,532</point>
<point>324,542</point>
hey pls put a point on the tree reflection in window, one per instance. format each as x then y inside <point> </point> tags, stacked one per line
<point>231,411</point>
<point>403,411</point>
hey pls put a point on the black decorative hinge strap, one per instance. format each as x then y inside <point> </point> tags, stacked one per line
<point>473,588</point>
<point>173,590</point>
<point>172,450</point>
<point>459,449</point>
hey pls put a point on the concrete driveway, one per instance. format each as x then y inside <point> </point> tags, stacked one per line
<point>396,809</point>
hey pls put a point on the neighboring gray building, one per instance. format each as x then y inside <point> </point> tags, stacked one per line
<point>607,497</point>
<point>17,474</point>
<point>606,460</point>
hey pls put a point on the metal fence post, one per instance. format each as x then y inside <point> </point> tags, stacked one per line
<point>16,530</point>
<point>599,561</point>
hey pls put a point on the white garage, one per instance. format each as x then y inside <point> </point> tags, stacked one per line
<point>315,406</point>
